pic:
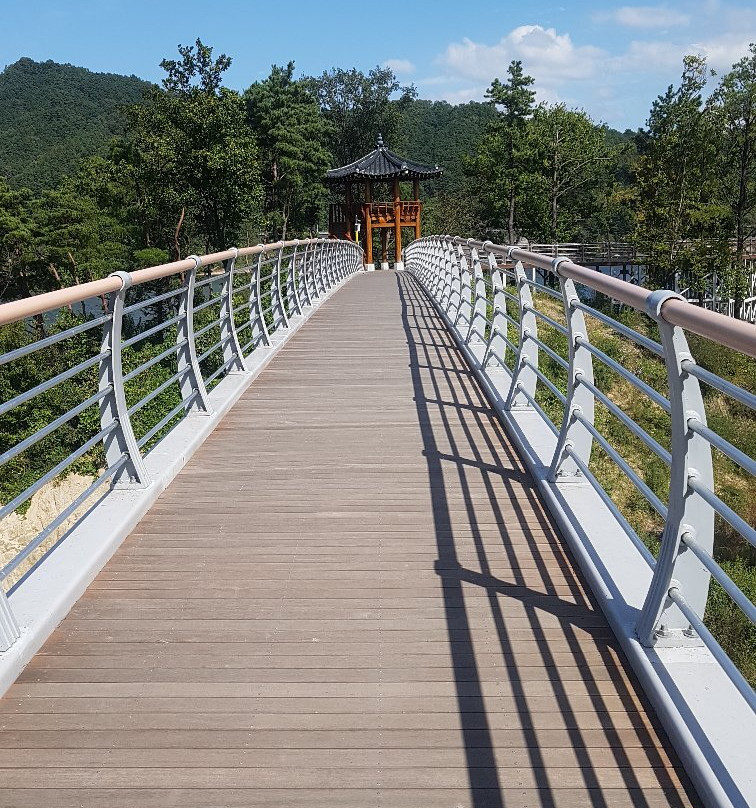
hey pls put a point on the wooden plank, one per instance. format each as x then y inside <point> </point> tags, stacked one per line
<point>351,596</point>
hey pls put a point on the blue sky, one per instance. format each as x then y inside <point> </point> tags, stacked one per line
<point>611,59</point>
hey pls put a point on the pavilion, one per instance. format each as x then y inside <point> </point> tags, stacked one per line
<point>347,219</point>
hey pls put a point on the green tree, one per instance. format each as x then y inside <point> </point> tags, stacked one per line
<point>291,136</point>
<point>576,162</point>
<point>191,157</point>
<point>681,224</point>
<point>505,155</point>
<point>359,106</point>
<point>16,238</point>
<point>734,107</point>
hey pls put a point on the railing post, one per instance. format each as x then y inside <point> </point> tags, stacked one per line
<point>277,308</point>
<point>315,270</point>
<point>496,351</point>
<point>463,320</point>
<point>432,269</point>
<point>259,328</point>
<point>190,379</point>
<point>292,290</point>
<point>454,300</point>
<point>476,332</point>
<point>580,402</point>
<point>330,268</point>
<point>336,258</point>
<point>323,268</point>
<point>232,353</point>
<point>10,631</point>
<point>113,409</point>
<point>661,621</point>
<point>524,378</point>
<point>304,276</point>
<point>435,269</point>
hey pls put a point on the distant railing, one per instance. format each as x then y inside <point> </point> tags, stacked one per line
<point>623,260</point>
<point>109,383</point>
<point>490,295</point>
<point>598,253</point>
<point>612,253</point>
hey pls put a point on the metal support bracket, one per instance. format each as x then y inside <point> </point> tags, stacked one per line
<point>113,409</point>
<point>661,621</point>
<point>233,358</point>
<point>580,401</point>
<point>524,377</point>
<point>193,390</point>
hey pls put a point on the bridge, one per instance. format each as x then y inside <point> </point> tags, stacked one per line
<point>341,540</point>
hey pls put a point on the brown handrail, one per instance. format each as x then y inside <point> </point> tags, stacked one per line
<point>48,301</point>
<point>735,334</point>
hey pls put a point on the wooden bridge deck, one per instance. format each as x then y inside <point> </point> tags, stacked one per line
<point>351,596</point>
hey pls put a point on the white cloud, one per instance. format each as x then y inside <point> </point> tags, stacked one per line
<point>721,53</point>
<point>649,17</point>
<point>650,57</point>
<point>551,58</point>
<point>616,84</point>
<point>401,67</point>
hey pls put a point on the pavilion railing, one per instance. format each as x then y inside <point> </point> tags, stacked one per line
<point>529,334</point>
<point>95,375</point>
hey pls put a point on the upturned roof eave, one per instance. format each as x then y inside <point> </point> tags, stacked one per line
<point>382,164</point>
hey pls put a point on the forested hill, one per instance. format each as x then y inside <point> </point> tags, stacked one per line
<point>437,132</point>
<point>52,115</point>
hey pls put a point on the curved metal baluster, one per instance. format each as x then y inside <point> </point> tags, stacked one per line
<point>524,378</point>
<point>192,385</point>
<point>277,307</point>
<point>260,335</point>
<point>121,441</point>
<point>233,358</point>
<point>661,621</point>
<point>580,400</point>
<point>292,288</point>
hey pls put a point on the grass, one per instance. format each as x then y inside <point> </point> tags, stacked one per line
<point>731,420</point>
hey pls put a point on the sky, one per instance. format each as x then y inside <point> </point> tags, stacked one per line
<point>607,58</point>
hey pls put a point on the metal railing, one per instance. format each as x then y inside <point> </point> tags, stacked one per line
<point>530,329</point>
<point>104,386</point>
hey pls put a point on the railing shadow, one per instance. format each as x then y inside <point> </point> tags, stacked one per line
<point>468,454</point>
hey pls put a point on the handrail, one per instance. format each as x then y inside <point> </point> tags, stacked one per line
<point>48,301</point>
<point>442,265</point>
<point>735,334</point>
<point>186,337</point>
<point>516,344</point>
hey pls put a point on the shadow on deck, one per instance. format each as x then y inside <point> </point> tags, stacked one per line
<point>351,596</point>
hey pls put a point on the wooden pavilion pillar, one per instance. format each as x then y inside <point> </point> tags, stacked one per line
<point>349,212</point>
<point>368,223</point>
<point>397,223</point>
<point>416,190</point>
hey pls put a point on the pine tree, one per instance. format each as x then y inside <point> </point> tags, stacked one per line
<point>504,158</point>
<point>291,135</point>
<point>681,224</point>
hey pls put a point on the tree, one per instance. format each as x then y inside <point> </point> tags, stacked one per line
<point>575,167</point>
<point>16,237</point>
<point>291,136</point>
<point>191,157</point>
<point>359,107</point>
<point>734,106</point>
<point>504,157</point>
<point>681,225</point>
